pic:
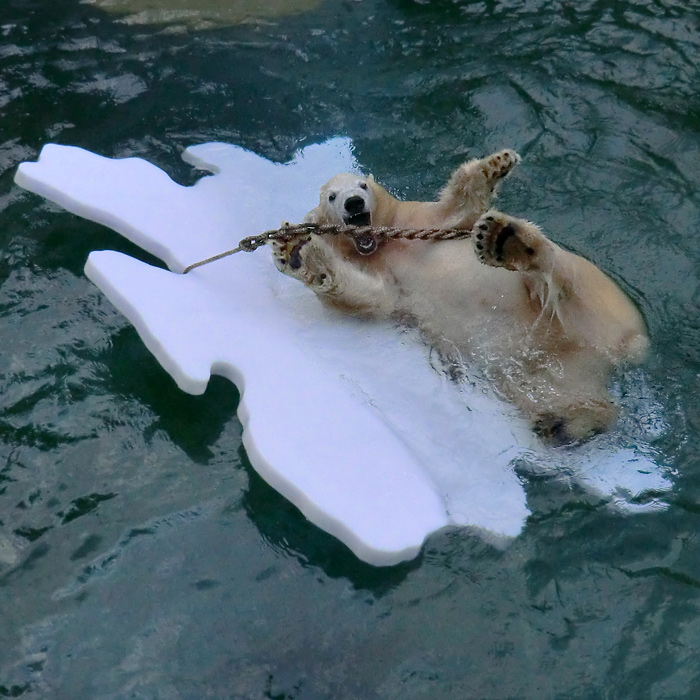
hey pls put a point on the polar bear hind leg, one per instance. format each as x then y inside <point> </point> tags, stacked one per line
<point>585,327</point>
<point>576,422</point>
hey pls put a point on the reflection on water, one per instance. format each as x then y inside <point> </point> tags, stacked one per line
<point>201,13</point>
<point>140,556</point>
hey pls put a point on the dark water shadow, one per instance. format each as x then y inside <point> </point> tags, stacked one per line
<point>285,529</point>
<point>193,423</point>
<point>69,240</point>
<point>196,423</point>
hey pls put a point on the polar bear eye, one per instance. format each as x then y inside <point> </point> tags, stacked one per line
<point>331,197</point>
<point>363,185</point>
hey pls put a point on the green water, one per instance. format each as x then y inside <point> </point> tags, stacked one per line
<point>142,557</point>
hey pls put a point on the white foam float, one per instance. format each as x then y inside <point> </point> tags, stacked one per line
<point>346,418</point>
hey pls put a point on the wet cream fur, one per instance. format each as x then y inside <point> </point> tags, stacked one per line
<point>546,325</point>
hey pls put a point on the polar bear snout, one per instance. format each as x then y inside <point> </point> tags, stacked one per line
<point>354,205</point>
<point>356,212</point>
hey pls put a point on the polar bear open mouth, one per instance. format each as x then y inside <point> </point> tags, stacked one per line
<point>364,218</point>
<point>356,212</point>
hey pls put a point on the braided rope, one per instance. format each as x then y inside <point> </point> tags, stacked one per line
<point>366,237</point>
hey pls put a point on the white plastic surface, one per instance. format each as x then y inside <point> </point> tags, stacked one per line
<point>346,418</point>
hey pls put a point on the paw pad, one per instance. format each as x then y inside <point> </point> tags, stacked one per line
<point>502,163</point>
<point>287,254</point>
<point>502,242</point>
<point>552,429</point>
<point>306,259</point>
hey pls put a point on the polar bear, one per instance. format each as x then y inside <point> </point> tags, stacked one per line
<point>546,325</point>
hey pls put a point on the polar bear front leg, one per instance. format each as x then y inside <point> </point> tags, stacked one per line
<point>503,241</point>
<point>313,268</point>
<point>473,185</point>
<point>337,281</point>
<point>496,166</point>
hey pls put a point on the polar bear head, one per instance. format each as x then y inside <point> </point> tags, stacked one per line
<point>346,199</point>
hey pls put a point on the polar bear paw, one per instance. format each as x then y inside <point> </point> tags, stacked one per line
<point>305,258</point>
<point>576,423</point>
<point>502,241</point>
<point>498,165</point>
<point>287,253</point>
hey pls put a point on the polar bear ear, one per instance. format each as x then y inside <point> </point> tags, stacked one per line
<point>312,216</point>
<point>320,215</point>
<point>374,185</point>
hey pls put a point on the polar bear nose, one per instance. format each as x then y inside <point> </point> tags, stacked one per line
<point>354,205</point>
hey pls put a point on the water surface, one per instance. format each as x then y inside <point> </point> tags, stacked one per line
<point>141,556</point>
